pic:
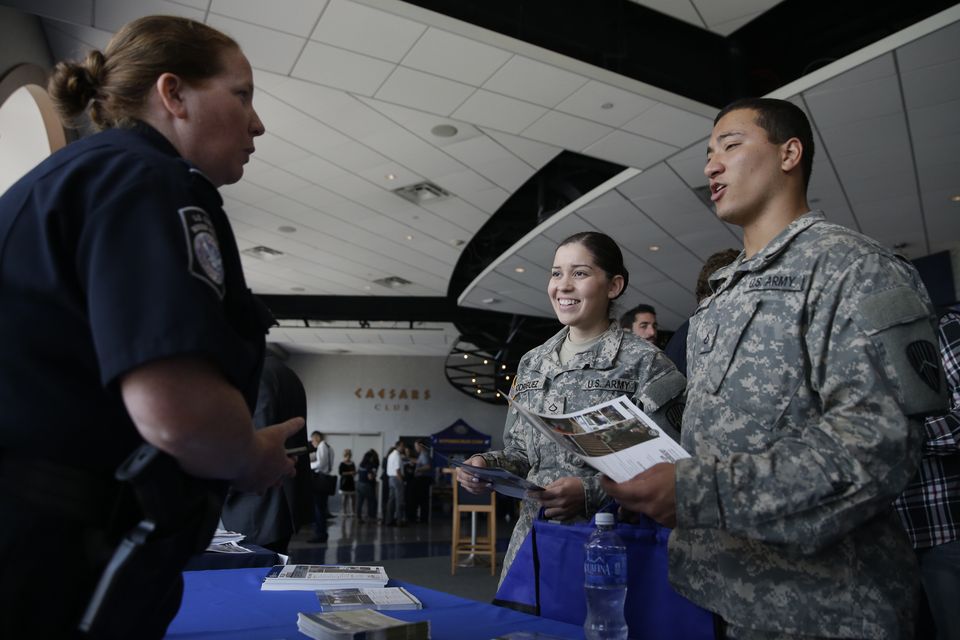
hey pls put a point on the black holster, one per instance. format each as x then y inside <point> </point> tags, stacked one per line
<point>140,589</point>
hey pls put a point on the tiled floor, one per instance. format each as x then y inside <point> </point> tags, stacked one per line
<point>417,553</point>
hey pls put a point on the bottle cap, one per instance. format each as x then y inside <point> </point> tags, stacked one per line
<point>605,519</point>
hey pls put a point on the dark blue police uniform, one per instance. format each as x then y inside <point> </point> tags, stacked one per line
<point>114,252</point>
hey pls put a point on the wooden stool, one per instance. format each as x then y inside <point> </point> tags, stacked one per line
<point>466,502</point>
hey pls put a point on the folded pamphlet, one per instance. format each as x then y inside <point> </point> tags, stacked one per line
<point>616,437</point>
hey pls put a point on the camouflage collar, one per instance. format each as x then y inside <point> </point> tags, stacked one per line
<point>601,355</point>
<point>769,252</point>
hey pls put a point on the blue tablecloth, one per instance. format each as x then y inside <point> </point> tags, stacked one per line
<point>228,604</point>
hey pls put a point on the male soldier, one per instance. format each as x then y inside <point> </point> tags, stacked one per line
<point>642,321</point>
<point>809,367</point>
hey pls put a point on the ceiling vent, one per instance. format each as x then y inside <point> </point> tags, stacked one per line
<point>422,193</point>
<point>261,252</point>
<point>392,282</point>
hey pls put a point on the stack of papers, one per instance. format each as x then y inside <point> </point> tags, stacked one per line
<point>360,625</point>
<point>316,577</point>
<point>222,536</point>
<point>382,599</point>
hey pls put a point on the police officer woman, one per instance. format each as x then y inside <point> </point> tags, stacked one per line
<point>126,319</point>
<point>590,361</point>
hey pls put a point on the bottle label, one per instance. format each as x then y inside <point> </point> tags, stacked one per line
<point>607,570</point>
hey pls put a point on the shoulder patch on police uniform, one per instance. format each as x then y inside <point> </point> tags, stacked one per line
<point>203,251</point>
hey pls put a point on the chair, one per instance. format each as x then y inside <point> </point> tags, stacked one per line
<point>466,502</point>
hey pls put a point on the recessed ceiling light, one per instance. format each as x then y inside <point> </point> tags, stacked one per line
<point>444,131</point>
<point>955,198</point>
<point>490,301</point>
<point>465,356</point>
<point>287,228</point>
<point>457,243</point>
<point>519,269</point>
<point>390,176</point>
<point>473,380</point>
<point>506,377</point>
<point>654,247</point>
<point>366,287</point>
<point>607,105</point>
<point>409,237</point>
<point>478,390</point>
<point>485,362</point>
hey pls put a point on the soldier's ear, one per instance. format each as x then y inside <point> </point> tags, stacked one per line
<point>615,287</point>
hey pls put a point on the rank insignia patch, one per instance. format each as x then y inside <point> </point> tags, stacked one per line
<point>203,251</point>
<point>926,362</point>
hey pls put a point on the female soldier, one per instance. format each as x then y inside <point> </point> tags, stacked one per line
<point>128,320</point>
<point>590,361</point>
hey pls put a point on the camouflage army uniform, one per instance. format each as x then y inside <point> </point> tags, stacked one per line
<point>797,418</point>
<point>618,364</point>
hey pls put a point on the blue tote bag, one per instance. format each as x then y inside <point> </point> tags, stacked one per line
<point>546,579</point>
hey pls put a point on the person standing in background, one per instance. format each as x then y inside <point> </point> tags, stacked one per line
<point>270,519</point>
<point>929,507</point>
<point>321,463</point>
<point>348,488</point>
<point>366,485</point>
<point>422,478</point>
<point>642,322</point>
<point>395,514</point>
<point>130,328</point>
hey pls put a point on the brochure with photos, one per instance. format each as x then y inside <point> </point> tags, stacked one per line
<point>616,437</point>
<point>314,577</point>
<point>382,599</point>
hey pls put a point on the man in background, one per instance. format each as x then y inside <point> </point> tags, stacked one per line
<point>395,513</point>
<point>929,507</point>
<point>642,321</point>
<point>271,519</point>
<point>321,463</point>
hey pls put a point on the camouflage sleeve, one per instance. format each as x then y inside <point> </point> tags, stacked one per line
<point>853,449</point>
<point>594,496</point>
<point>513,456</point>
<point>661,393</point>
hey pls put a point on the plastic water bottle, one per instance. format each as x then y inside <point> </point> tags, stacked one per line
<point>605,582</point>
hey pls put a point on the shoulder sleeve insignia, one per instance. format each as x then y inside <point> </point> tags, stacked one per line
<point>203,251</point>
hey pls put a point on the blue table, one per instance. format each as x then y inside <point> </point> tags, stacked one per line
<point>229,605</point>
<point>260,557</point>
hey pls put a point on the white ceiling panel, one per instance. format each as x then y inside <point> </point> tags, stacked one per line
<point>938,47</point>
<point>929,123</point>
<point>603,103</point>
<point>110,15</point>
<point>729,26</point>
<point>203,5</point>
<point>566,131</point>
<point>629,150</point>
<point>424,91</point>
<point>471,62</point>
<point>496,111</point>
<point>409,150</point>
<point>362,29</point>
<point>714,12</point>
<point>266,49</point>
<point>670,125</point>
<point>422,124</point>
<point>277,151</point>
<point>870,134</point>
<point>847,105</point>
<point>535,82</point>
<point>932,84</point>
<point>492,161</point>
<point>560,230</point>
<point>534,153</point>
<point>690,163</point>
<point>679,9</point>
<point>341,69</point>
<point>295,17</point>
<point>488,200</point>
<point>461,213</point>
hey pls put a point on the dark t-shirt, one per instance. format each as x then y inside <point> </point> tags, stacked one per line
<point>347,482</point>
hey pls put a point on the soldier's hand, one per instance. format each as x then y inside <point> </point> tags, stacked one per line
<point>563,499</point>
<point>471,483</point>
<point>269,464</point>
<point>653,492</point>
